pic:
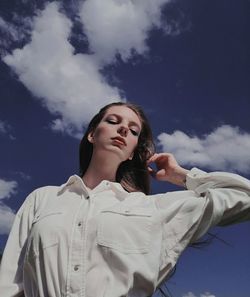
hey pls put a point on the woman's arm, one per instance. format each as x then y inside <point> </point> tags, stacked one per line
<point>216,198</point>
<point>226,194</point>
<point>11,268</point>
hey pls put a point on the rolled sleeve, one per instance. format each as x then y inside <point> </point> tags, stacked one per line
<point>229,193</point>
<point>211,199</point>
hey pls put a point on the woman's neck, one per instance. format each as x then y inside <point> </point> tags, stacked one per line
<point>100,168</point>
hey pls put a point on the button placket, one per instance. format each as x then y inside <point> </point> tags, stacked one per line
<point>76,270</point>
<point>84,242</point>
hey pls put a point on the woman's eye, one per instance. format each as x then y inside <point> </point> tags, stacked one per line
<point>134,132</point>
<point>111,121</point>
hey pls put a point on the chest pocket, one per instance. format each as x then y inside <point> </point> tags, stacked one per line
<point>44,232</point>
<point>126,230</point>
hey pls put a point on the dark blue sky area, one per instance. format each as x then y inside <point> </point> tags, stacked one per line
<point>202,74</point>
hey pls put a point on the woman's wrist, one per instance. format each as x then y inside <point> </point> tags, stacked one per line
<point>179,176</point>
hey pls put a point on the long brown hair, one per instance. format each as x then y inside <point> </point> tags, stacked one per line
<point>131,174</point>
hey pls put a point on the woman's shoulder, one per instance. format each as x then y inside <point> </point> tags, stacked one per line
<point>46,190</point>
<point>40,196</point>
<point>43,191</point>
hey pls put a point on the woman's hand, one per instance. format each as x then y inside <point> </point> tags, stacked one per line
<point>167,169</point>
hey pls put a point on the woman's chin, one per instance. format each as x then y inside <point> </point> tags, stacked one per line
<point>113,152</point>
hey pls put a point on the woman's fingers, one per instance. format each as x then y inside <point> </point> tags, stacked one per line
<point>167,169</point>
<point>151,171</point>
<point>153,158</point>
<point>161,162</point>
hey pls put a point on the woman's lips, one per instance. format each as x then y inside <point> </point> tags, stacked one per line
<point>119,140</point>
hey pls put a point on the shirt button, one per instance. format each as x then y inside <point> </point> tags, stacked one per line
<point>79,224</point>
<point>76,267</point>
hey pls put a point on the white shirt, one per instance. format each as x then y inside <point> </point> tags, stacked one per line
<point>67,241</point>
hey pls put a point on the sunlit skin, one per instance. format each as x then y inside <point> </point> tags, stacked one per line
<point>167,169</point>
<point>114,141</point>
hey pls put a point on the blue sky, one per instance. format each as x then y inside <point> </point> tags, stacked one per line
<point>185,62</point>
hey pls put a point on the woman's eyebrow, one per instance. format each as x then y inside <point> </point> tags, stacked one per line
<point>120,117</point>
<point>135,124</point>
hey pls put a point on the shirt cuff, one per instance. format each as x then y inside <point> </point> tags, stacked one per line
<point>193,178</point>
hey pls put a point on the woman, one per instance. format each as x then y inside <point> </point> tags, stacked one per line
<point>101,233</point>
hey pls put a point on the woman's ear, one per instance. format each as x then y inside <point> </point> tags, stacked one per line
<point>131,156</point>
<point>91,137</point>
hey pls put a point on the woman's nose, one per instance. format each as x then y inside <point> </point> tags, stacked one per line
<point>123,130</point>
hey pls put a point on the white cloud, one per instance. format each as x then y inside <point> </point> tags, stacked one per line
<point>189,294</point>
<point>206,294</point>
<point>22,175</point>
<point>226,148</point>
<point>119,26</point>
<point>62,126</point>
<point>6,219</point>
<point>7,188</point>
<point>72,86</point>
<point>5,129</point>
<point>8,27</point>
<point>17,31</point>
<point>69,85</point>
<point>8,31</point>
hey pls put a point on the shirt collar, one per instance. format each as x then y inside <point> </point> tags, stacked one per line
<point>114,186</point>
<point>71,180</point>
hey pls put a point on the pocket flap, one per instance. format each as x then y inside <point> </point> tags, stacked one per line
<point>129,211</point>
<point>40,216</point>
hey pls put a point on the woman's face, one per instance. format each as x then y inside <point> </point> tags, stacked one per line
<point>118,132</point>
